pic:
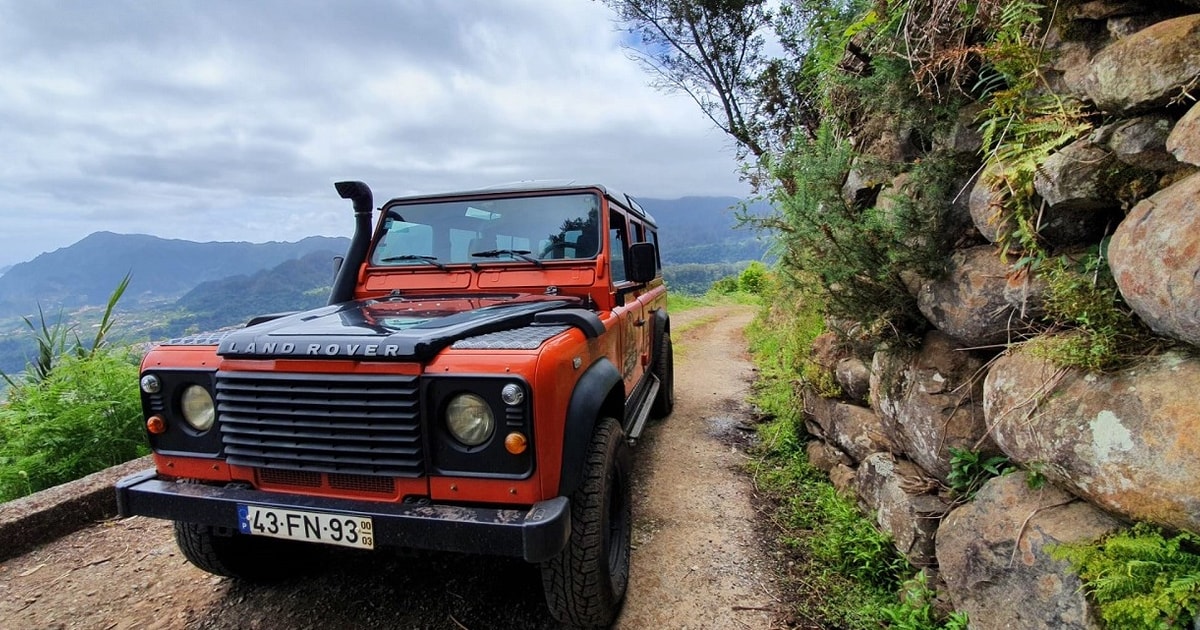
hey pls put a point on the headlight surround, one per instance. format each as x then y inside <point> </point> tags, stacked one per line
<point>197,407</point>
<point>469,419</point>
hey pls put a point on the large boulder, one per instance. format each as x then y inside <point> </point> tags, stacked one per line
<point>968,302</point>
<point>1141,142</point>
<point>1125,441</point>
<point>984,203</point>
<point>1155,258</point>
<point>858,432</point>
<point>1149,68</point>
<point>1079,185</point>
<point>1184,141</point>
<point>930,402</point>
<point>993,556</point>
<point>854,377</point>
<point>898,493</point>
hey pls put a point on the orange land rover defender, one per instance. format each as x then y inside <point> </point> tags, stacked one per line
<point>474,384</point>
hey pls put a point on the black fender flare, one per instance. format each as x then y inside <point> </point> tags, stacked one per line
<point>662,326</point>
<point>583,410</point>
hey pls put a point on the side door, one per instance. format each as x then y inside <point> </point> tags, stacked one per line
<point>628,308</point>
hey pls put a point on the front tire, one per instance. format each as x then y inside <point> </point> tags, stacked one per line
<point>232,554</point>
<point>585,584</point>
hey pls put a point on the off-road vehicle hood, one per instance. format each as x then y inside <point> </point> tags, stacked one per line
<point>391,328</point>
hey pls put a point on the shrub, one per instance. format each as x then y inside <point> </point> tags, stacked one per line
<point>969,470</point>
<point>84,416</point>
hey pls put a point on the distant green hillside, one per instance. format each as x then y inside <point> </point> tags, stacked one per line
<point>701,230</point>
<point>293,285</point>
<point>84,273</point>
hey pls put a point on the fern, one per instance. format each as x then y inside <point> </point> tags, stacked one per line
<point>1139,578</point>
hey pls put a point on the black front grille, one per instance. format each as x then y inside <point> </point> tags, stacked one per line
<point>332,423</point>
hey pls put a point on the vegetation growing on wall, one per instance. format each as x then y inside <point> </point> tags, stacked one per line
<point>851,571</point>
<point>1140,577</point>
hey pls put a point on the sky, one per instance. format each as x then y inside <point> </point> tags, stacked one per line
<point>230,120</point>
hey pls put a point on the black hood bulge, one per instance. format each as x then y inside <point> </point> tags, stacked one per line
<point>372,330</point>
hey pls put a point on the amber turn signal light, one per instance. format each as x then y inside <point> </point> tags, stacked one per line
<point>156,425</point>
<point>515,443</point>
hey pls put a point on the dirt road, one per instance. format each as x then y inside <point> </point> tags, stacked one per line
<point>698,560</point>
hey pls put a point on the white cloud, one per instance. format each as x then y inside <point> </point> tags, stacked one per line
<point>227,120</point>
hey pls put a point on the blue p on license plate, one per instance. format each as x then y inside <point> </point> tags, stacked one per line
<point>320,527</point>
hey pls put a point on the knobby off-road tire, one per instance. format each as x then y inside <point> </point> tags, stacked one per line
<point>585,584</point>
<point>236,555</point>
<point>664,369</point>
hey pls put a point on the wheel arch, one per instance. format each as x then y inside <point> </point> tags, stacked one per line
<point>597,394</point>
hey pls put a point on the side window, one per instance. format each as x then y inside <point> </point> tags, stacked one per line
<point>617,242</point>
<point>657,251</point>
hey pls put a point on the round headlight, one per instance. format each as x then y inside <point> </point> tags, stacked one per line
<point>197,405</point>
<point>151,384</point>
<point>469,419</point>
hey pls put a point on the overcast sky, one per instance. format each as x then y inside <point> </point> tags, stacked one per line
<point>230,120</point>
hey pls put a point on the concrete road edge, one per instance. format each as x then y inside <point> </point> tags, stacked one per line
<point>55,512</point>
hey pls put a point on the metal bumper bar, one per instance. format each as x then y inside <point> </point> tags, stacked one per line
<point>536,534</point>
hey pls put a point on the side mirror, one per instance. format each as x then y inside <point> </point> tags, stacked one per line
<point>643,262</point>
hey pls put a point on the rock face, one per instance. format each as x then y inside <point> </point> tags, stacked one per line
<point>854,377</point>
<point>1148,68</point>
<point>855,431</point>
<point>996,566</point>
<point>930,402</point>
<point>1141,143</point>
<point>968,303</point>
<point>895,490</point>
<point>1127,442</point>
<point>983,203</point>
<point>1155,258</point>
<point>1184,141</point>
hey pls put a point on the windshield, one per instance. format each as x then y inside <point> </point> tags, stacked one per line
<point>552,227</point>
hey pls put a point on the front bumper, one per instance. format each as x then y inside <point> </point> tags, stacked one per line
<point>536,534</point>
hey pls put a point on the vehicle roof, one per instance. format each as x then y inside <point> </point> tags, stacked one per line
<point>539,185</point>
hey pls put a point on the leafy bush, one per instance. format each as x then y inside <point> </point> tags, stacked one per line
<point>969,470</point>
<point>1139,578</point>
<point>83,417</point>
<point>915,611</point>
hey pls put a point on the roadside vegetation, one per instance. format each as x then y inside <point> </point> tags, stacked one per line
<point>75,410</point>
<point>846,573</point>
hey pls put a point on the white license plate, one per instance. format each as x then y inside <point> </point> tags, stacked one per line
<point>320,527</point>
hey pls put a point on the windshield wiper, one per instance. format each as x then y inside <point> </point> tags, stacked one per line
<point>426,259</point>
<point>523,254</point>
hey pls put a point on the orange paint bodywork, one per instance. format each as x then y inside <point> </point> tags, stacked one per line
<point>551,371</point>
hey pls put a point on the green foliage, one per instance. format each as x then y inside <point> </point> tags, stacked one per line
<point>915,610</point>
<point>839,592</point>
<point>850,569</point>
<point>1035,476</point>
<point>1139,578</point>
<point>83,417</point>
<point>754,279</point>
<point>969,470</point>
<point>1082,297</point>
<point>54,340</point>
<point>781,339</point>
<point>77,411</point>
